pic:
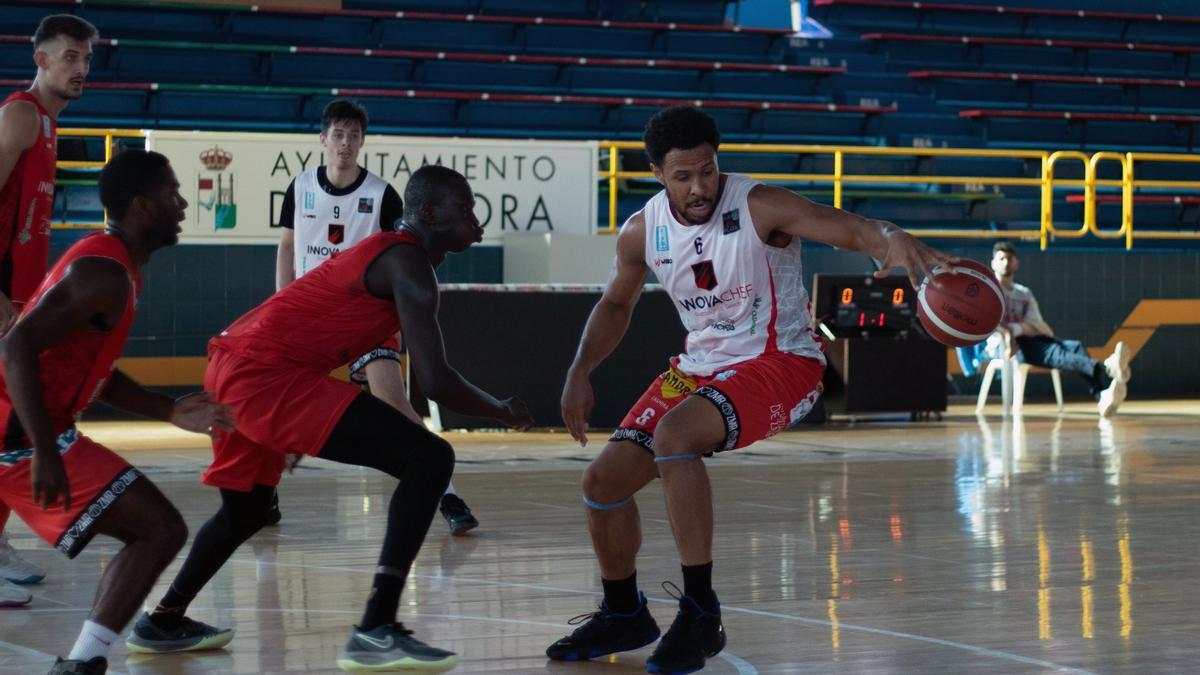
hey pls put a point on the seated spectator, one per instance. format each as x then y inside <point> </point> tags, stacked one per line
<point>1024,330</point>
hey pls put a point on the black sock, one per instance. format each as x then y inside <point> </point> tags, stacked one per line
<point>383,601</point>
<point>621,595</point>
<point>170,610</point>
<point>1100,379</point>
<point>697,585</point>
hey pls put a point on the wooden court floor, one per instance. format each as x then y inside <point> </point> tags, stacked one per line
<point>1047,543</point>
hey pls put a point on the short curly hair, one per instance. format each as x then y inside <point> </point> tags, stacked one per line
<point>131,174</point>
<point>680,127</point>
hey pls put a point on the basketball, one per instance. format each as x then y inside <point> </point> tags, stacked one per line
<point>965,309</point>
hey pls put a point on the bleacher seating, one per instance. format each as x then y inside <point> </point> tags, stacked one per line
<point>901,73</point>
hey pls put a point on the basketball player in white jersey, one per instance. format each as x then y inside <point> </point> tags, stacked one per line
<point>328,209</point>
<point>727,251</point>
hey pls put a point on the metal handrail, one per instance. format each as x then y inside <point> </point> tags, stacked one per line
<point>1045,181</point>
<point>109,136</point>
<point>840,180</point>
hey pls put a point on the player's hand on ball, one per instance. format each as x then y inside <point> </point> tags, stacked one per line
<point>199,413</point>
<point>905,250</point>
<point>577,402</point>
<point>49,478</point>
<point>517,414</point>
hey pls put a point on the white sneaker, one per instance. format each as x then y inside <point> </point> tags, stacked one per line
<point>12,595</point>
<point>16,569</point>
<point>1117,363</point>
<point>1112,398</point>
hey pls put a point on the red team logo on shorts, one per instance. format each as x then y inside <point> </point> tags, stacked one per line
<point>706,276</point>
<point>337,233</point>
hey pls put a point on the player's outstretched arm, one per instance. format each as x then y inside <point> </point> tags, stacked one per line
<point>405,272</point>
<point>90,296</point>
<point>777,210</point>
<point>194,412</point>
<point>606,325</point>
<point>18,132</point>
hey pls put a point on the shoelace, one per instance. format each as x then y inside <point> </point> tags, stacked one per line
<point>672,590</point>
<point>576,620</point>
<point>399,628</point>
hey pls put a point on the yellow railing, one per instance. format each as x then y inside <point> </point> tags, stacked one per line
<point>1046,182</point>
<point>109,136</point>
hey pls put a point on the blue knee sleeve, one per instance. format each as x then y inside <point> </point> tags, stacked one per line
<point>672,458</point>
<point>605,507</point>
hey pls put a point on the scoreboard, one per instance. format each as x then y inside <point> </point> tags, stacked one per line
<point>880,360</point>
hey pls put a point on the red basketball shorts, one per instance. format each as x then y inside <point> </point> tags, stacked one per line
<point>757,398</point>
<point>280,410</point>
<point>96,477</point>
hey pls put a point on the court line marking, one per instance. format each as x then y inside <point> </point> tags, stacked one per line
<point>26,651</point>
<point>974,649</point>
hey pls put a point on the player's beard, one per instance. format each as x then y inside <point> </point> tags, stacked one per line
<point>68,93</point>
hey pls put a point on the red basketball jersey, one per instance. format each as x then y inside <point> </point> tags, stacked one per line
<point>76,370</point>
<point>325,318</point>
<point>26,203</point>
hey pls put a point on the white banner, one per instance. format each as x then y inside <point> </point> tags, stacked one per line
<point>235,182</point>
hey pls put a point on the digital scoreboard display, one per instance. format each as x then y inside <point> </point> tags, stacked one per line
<point>858,305</point>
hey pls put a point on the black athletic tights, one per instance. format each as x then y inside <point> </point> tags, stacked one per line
<point>370,433</point>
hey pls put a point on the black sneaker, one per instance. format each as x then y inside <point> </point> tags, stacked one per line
<point>274,516</point>
<point>606,632</point>
<point>694,636</point>
<point>392,647</point>
<point>96,665</point>
<point>457,514</point>
<point>189,636</point>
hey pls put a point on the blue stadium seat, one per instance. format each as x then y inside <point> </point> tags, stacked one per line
<point>450,35</point>
<point>723,46</point>
<point>340,71</point>
<point>306,31</point>
<point>141,64</point>
<point>582,41</point>
<point>16,60</point>
<point>429,116</point>
<point>159,23</point>
<point>264,108</point>
<point>499,76</point>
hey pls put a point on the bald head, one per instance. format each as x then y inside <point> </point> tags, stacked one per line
<point>432,186</point>
<point>440,201</point>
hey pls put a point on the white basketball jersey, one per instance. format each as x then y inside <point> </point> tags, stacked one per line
<point>737,296</point>
<point>326,224</point>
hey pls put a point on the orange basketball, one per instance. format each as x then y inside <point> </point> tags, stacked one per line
<point>967,307</point>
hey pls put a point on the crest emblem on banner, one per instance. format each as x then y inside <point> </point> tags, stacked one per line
<point>214,189</point>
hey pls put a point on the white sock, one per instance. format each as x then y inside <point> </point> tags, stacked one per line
<point>450,489</point>
<point>94,640</point>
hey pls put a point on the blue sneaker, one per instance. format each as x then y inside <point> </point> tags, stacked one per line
<point>605,632</point>
<point>694,636</point>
